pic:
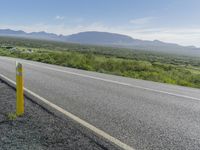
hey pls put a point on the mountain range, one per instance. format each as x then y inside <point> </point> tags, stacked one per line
<point>108,39</point>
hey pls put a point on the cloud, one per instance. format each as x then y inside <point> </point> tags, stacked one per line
<point>59,17</point>
<point>78,20</point>
<point>179,35</point>
<point>141,21</point>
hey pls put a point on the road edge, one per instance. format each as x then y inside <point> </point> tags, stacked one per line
<point>58,111</point>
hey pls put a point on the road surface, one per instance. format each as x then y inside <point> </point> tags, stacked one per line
<point>141,114</point>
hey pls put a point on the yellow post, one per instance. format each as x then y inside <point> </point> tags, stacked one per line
<point>20,90</point>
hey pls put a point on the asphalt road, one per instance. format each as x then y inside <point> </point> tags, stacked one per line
<point>142,114</point>
<point>38,129</point>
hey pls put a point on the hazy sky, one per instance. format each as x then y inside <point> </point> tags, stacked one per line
<point>176,21</point>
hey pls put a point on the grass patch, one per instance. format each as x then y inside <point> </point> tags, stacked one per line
<point>11,116</point>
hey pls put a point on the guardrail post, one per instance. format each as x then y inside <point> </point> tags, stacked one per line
<point>20,90</point>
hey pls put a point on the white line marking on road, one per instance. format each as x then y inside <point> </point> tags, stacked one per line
<point>75,118</point>
<point>113,81</point>
<point>105,80</point>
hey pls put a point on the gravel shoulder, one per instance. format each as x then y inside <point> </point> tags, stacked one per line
<point>40,129</point>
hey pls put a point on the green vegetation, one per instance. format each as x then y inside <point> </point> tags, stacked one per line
<point>159,67</point>
<point>11,116</point>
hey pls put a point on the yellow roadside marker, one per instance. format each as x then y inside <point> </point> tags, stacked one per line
<point>20,90</point>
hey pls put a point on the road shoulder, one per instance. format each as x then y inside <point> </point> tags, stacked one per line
<point>39,129</point>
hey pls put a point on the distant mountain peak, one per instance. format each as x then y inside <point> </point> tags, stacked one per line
<point>95,37</point>
<point>107,39</point>
<point>157,41</point>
